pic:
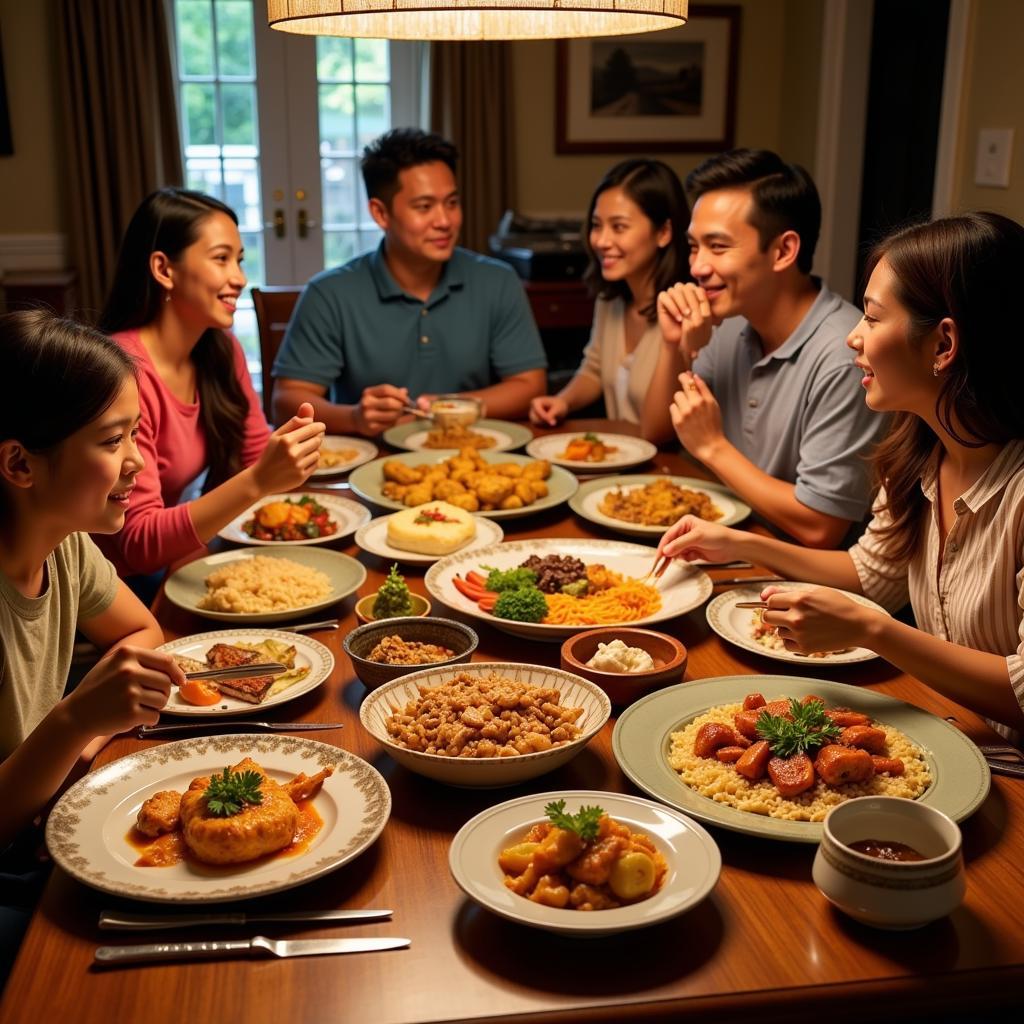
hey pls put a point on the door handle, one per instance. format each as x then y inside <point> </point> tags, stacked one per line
<point>304,223</point>
<point>278,223</point>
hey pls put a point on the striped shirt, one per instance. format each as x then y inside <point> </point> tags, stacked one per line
<point>974,596</point>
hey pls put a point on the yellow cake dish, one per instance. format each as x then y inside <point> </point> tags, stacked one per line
<point>434,528</point>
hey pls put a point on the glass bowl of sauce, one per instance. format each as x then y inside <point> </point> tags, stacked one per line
<point>455,411</point>
<point>890,862</point>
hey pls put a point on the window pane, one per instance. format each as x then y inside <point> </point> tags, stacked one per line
<point>234,39</point>
<point>339,247</point>
<point>337,127</point>
<point>204,176</point>
<point>333,59</point>
<point>372,60</point>
<point>373,115</point>
<point>370,238</point>
<point>245,331</point>
<point>195,37</point>
<point>242,191</point>
<point>238,109</point>
<point>198,103</point>
<point>253,244</point>
<point>339,192</point>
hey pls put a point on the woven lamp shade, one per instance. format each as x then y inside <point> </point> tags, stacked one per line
<point>474,19</point>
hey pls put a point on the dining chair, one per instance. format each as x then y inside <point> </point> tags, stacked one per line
<point>273,305</point>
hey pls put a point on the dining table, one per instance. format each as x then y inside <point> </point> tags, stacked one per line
<point>765,945</point>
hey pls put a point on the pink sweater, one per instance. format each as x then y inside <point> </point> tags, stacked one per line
<point>157,530</point>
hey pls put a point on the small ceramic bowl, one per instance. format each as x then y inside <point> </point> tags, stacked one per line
<point>364,607</point>
<point>444,632</point>
<point>884,893</point>
<point>456,410</point>
<point>669,657</point>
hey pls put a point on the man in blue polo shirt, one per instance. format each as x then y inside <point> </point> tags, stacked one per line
<point>415,318</point>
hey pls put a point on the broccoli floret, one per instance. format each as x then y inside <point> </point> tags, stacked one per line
<point>393,598</point>
<point>500,580</point>
<point>526,604</point>
<point>577,588</point>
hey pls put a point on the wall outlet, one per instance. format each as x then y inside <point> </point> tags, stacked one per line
<point>992,164</point>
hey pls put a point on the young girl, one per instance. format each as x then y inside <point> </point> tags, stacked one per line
<point>637,246</point>
<point>937,347</point>
<point>69,413</point>
<point>178,280</point>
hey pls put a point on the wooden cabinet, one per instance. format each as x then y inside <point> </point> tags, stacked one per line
<point>560,304</point>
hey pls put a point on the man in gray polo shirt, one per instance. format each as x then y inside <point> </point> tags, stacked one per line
<point>772,402</point>
<point>416,318</point>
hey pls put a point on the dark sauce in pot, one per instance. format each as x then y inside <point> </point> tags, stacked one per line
<point>886,850</point>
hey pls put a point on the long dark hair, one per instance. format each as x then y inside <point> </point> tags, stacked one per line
<point>169,221</point>
<point>963,268</point>
<point>656,189</point>
<point>58,377</point>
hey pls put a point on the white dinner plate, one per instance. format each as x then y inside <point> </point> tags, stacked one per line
<point>348,514</point>
<point>87,831</point>
<point>587,500</point>
<point>364,451</point>
<point>694,862</point>
<point>682,587</point>
<point>506,435</point>
<point>373,537</point>
<point>309,654</point>
<point>629,451</point>
<point>187,585</point>
<point>736,625</point>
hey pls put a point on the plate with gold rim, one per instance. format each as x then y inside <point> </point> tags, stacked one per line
<point>340,453</point>
<point>505,435</point>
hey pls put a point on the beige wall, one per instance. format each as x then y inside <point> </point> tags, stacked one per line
<point>30,196</point>
<point>993,98</point>
<point>779,57</point>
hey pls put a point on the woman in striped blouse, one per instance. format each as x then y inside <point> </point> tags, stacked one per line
<point>940,345</point>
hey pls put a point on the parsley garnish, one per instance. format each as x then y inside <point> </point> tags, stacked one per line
<point>228,793</point>
<point>810,728</point>
<point>584,822</point>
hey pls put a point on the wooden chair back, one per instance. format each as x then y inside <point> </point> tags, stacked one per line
<point>273,305</point>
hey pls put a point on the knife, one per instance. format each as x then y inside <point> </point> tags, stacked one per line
<point>111,919</point>
<point>210,722</point>
<point>257,944</point>
<point>264,668</point>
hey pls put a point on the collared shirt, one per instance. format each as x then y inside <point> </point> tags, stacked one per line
<point>974,595</point>
<point>799,413</point>
<point>354,328</point>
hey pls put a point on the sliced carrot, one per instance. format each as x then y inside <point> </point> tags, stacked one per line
<point>487,603</point>
<point>476,579</point>
<point>467,589</point>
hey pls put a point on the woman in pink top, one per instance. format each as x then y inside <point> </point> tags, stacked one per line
<point>178,280</point>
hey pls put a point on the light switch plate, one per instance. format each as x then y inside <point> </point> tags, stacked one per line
<point>992,165</point>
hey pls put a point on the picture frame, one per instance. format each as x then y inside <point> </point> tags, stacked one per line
<point>670,91</point>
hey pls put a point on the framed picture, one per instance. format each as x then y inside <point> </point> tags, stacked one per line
<point>670,91</point>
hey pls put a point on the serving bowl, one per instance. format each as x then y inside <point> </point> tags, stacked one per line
<point>889,894</point>
<point>444,632</point>
<point>364,607</point>
<point>484,772</point>
<point>668,654</point>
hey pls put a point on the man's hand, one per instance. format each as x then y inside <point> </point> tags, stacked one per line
<point>697,418</point>
<point>379,408</point>
<point>685,319</point>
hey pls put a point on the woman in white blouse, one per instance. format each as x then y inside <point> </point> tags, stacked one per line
<point>637,247</point>
<point>940,345</point>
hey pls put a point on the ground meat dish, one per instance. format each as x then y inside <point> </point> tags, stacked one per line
<point>555,571</point>
<point>393,650</point>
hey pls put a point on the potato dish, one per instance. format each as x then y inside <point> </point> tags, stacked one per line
<point>467,481</point>
<point>659,503</point>
<point>583,861</point>
<point>457,436</point>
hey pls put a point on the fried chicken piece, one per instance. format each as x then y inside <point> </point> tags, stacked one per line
<point>400,473</point>
<point>160,813</point>
<point>305,787</point>
<point>228,656</point>
<point>493,489</point>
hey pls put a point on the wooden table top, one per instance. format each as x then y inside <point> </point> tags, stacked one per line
<point>765,945</point>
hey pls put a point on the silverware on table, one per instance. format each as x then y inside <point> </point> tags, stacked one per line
<point>257,944</point>
<point>413,411</point>
<point>308,627</point>
<point>1003,759</point>
<point>737,581</point>
<point>211,722</point>
<point>114,919</point>
<point>751,604</point>
<point>263,668</point>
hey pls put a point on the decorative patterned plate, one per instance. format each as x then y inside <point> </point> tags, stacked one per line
<point>86,832</point>
<point>373,537</point>
<point>187,585</point>
<point>643,737</point>
<point>348,514</point>
<point>735,625</point>
<point>587,500</point>
<point>629,451</point>
<point>363,451</point>
<point>506,435</point>
<point>367,481</point>
<point>309,654</point>
<point>694,862</point>
<point>682,587</point>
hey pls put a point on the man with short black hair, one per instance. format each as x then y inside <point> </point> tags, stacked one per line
<point>772,402</point>
<point>415,318</point>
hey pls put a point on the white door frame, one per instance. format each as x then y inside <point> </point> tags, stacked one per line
<point>961,13</point>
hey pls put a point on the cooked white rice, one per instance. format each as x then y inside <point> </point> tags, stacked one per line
<point>264,584</point>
